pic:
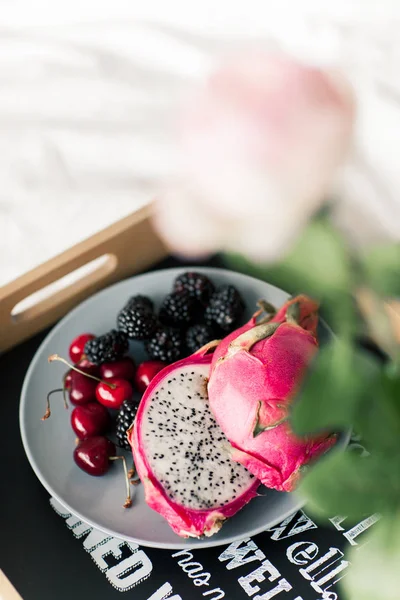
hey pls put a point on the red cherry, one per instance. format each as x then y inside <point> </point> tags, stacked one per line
<point>93,455</point>
<point>84,383</point>
<point>89,420</point>
<point>86,364</point>
<point>86,386</point>
<point>78,383</point>
<point>68,379</point>
<point>77,347</point>
<point>145,373</point>
<point>82,389</point>
<point>124,368</point>
<point>113,392</point>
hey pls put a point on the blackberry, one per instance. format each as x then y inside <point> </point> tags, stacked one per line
<point>197,336</point>
<point>107,347</point>
<point>225,309</point>
<point>177,309</point>
<point>140,302</point>
<point>137,322</point>
<point>165,345</point>
<point>198,286</point>
<point>125,418</point>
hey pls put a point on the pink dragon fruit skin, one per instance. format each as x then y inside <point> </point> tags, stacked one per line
<point>186,522</point>
<point>251,386</point>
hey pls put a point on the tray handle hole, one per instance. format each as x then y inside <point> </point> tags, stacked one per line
<point>64,288</point>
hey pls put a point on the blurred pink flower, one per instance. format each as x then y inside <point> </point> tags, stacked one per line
<point>260,145</point>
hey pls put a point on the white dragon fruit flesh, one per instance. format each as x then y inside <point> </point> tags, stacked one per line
<point>181,455</point>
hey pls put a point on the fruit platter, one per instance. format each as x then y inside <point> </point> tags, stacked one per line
<point>158,410</point>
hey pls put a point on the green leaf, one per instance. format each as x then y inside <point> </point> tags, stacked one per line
<point>339,379</point>
<point>320,259</point>
<point>382,268</point>
<point>346,484</point>
<point>374,571</point>
<point>378,417</point>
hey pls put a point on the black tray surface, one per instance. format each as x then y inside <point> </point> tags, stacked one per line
<point>48,554</point>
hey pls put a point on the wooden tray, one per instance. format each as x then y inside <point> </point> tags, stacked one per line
<point>127,247</point>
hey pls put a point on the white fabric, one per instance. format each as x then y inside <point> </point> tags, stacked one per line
<point>88,92</point>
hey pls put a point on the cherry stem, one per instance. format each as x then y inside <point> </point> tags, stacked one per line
<point>128,501</point>
<point>48,411</point>
<point>54,357</point>
<point>131,475</point>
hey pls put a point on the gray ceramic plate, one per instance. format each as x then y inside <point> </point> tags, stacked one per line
<point>49,445</point>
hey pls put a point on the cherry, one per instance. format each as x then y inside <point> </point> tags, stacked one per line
<point>82,388</point>
<point>77,346</point>
<point>68,379</point>
<point>94,455</point>
<point>89,420</point>
<point>86,367</point>
<point>113,392</point>
<point>122,369</point>
<point>86,364</point>
<point>81,382</point>
<point>145,373</point>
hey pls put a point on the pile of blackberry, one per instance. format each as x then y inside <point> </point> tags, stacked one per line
<point>192,314</point>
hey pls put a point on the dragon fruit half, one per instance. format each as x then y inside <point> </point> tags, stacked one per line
<point>181,455</point>
<point>255,373</point>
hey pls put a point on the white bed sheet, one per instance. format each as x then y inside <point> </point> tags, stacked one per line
<point>89,90</point>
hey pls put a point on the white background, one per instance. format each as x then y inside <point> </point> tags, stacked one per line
<point>88,92</point>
